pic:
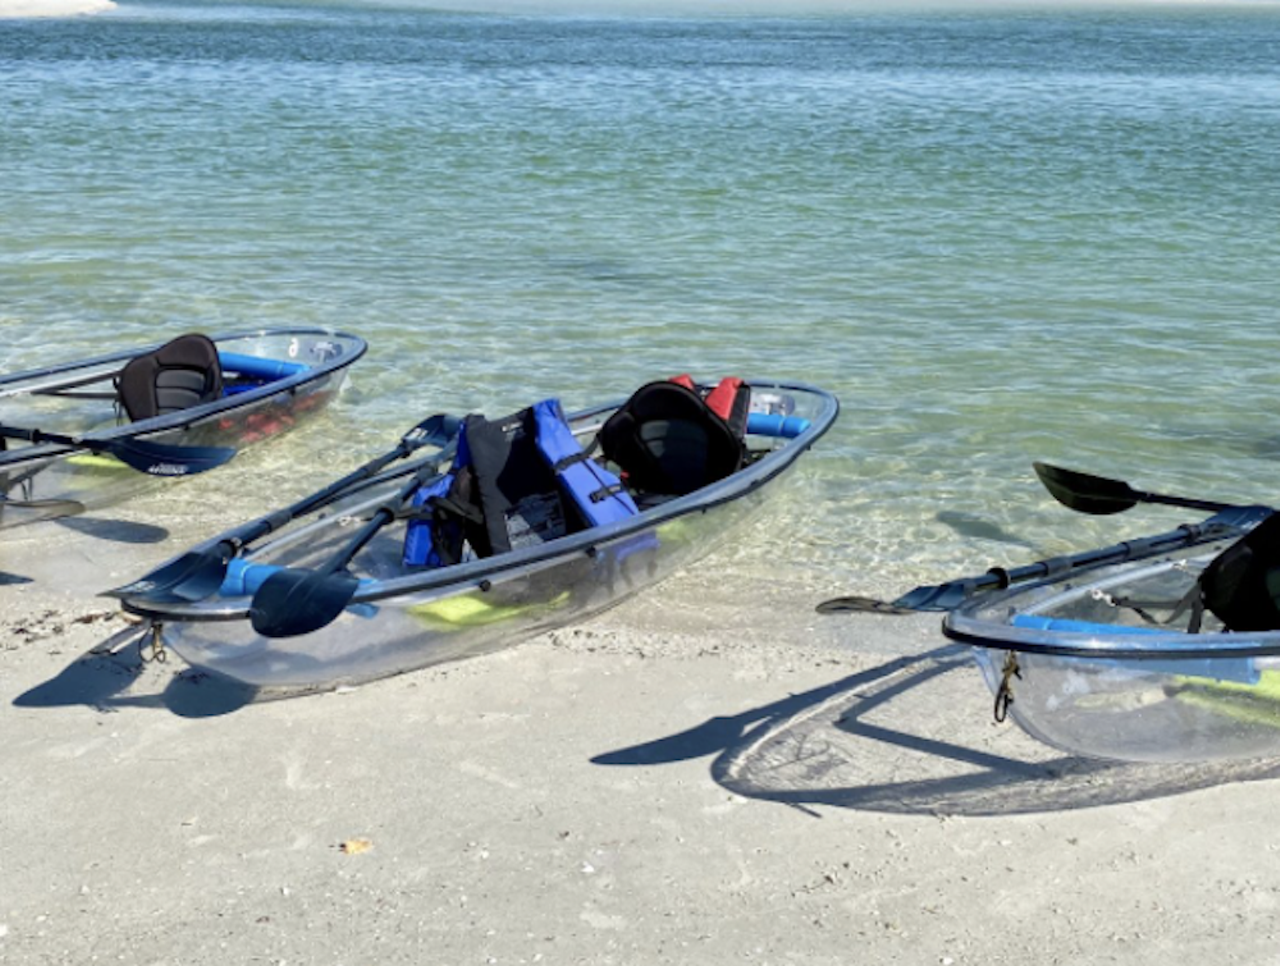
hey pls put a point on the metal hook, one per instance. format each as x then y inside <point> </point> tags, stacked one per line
<point>1004,693</point>
<point>155,652</point>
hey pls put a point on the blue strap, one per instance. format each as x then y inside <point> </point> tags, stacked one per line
<point>597,492</point>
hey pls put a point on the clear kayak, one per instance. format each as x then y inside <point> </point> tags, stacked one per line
<point>392,617</point>
<point>69,444</point>
<point>1121,662</point>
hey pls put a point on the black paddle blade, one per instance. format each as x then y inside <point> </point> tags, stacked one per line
<point>931,598</point>
<point>193,576</point>
<point>860,605</point>
<point>163,459</point>
<point>434,430</point>
<point>32,510</point>
<point>293,602</point>
<point>1084,492</point>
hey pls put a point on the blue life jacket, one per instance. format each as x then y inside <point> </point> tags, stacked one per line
<point>419,543</point>
<point>597,493</point>
<point>508,489</point>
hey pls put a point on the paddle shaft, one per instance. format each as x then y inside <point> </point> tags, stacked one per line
<point>419,436</point>
<point>1229,520</point>
<point>199,573</point>
<point>298,601</point>
<point>1184,502</point>
<point>40,436</point>
<point>155,459</point>
<point>381,517</point>
<point>999,577</point>
<point>945,597</point>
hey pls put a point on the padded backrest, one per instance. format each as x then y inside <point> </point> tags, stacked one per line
<point>180,374</point>
<point>666,441</point>
<point>1241,586</point>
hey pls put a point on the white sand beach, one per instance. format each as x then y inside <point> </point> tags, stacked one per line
<point>677,781</point>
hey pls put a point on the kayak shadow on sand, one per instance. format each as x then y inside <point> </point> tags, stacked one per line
<point>113,530</point>
<point>915,735</point>
<point>121,672</point>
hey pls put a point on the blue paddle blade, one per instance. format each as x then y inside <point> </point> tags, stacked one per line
<point>293,602</point>
<point>157,459</point>
<point>165,459</point>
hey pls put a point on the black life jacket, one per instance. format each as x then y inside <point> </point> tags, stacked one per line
<point>671,439</point>
<point>1241,586</point>
<point>182,373</point>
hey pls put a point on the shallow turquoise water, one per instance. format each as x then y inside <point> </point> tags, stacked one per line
<point>998,237</point>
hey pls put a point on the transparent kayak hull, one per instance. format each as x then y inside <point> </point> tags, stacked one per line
<point>275,379</point>
<point>1079,668</point>
<point>400,620</point>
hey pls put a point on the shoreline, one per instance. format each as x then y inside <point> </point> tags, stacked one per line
<point>23,9</point>
<point>31,9</point>
<point>670,782</point>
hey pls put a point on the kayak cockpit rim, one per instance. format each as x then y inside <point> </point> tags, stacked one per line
<point>1156,642</point>
<point>1160,646</point>
<point>588,542</point>
<point>9,380</point>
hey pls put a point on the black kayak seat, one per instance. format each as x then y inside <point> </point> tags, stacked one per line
<point>1241,585</point>
<point>182,373</point>
<point>667,441</point>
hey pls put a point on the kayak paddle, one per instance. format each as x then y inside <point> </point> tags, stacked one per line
<point>1100,496</point>
<point>199,573</point>
<point>157,459</point>
<point>297,601</point>
<point>948,596</point>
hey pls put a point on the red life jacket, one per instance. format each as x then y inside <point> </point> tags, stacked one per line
<point>729,400</point>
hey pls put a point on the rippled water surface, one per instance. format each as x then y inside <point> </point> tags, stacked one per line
<point>998,237</point>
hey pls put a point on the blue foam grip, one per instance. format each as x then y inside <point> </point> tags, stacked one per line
<point>1036,622</point>
<point>256,367</point>
<point>1239,669</point>
<point>771,424</point>
<point>244,577</point>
